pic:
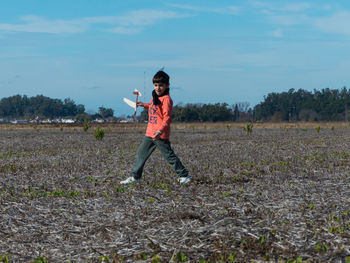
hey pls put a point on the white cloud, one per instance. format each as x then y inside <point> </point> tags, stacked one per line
<point>123,24</point>
<point>42,25</point>
<point>292,7</point>
<point>293,14</point>
<point>229,10</point>
<point>186,63</point>
<point>124,30</point>
<point>277,33</point>
<point>338,23</point>
<point>296,7</point>
<point>289,20</point>
<point>142,17</point>
<point>284,14</point>
<point>146,17</point>
<point>326,7</point>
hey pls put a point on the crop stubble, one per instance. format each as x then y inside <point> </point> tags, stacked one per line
<point>277,194</point>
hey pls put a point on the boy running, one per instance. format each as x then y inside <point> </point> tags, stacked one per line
<point>158,131</point>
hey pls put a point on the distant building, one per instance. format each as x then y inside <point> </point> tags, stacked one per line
<point>19,121</point>
<point>46,121</point>
<point>67,121</point>
<point>126,120</point>
<point>4,121</point>
<point>98,121</point>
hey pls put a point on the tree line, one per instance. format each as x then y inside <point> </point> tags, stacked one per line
<point>301,105</point>
<point>19,106</point>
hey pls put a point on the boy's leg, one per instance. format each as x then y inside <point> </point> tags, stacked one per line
<point>146,147</point>
<point>168,153</point>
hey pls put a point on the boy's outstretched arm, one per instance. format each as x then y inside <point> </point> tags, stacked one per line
<point>141,104</point>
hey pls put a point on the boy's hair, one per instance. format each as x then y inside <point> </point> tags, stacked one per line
<point>161,77</point>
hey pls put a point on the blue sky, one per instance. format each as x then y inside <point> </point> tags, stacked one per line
<point>97,52</point>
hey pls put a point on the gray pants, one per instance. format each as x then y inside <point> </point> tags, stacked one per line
<point>145,150</point>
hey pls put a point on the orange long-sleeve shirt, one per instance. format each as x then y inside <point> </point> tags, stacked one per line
<point>159,117</point>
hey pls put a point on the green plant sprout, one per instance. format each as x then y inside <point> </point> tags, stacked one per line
<point>86,125</point>
<point>248,128</point>
<point>99,133</point>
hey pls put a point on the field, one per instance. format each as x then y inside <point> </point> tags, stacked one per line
<point>279,194</point>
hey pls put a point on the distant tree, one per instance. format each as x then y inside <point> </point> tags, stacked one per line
<point>235,113</point>
<point>202,112</point>
<point>80,109</point>
<point>81,117</point>
<point>105,112</point>
<point>323,105</point>
<point>95,116</point>
<point>21,106</point>
<point>69,107</point>
<point>308,115</point>
<point>243,106</point>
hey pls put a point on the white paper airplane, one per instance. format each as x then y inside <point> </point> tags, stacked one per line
<point>130,103</point>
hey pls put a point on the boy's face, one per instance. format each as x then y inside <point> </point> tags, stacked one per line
<point>160,88</point>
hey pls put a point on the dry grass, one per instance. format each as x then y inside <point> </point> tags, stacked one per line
<point>280,194</point>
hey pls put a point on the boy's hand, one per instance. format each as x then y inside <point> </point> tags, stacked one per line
<point>140,104</point>
<point>156,135</point>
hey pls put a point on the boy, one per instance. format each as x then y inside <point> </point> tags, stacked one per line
<point>158,131</point>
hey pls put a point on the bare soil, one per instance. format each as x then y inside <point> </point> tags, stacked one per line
<point>278,195</point>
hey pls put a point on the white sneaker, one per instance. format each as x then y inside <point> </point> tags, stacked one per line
<point>128,180</point>
<point>184,180</point>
